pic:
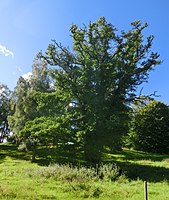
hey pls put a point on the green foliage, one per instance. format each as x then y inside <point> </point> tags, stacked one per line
<point>19,105</point>
<point>45,130</point>
<point>150,128</point>
<point>101,75</point>
<point>40,79</point>
<point>26,96</point>
<point>4,111</point>
<point>105,172</point>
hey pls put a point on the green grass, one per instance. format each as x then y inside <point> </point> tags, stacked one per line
<point>143,166</point>
<point>21,179</point>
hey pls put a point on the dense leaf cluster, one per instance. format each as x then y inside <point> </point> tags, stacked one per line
<point>150,128</point>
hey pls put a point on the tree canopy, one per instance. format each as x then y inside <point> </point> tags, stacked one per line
<point>83,95</point>
<point>101,75</point>
<point>150,128</point>
<point>26,95</point>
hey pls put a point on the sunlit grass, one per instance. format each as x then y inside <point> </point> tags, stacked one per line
<point>21,179</point>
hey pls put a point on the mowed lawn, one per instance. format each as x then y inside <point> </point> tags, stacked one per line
<point>21,179</point>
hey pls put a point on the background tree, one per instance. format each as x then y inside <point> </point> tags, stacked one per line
<point>101,75</point>
<point>18,105</point>
<point>150,128</point>
<point>40,79</point>
<point>24,98</point>
<point>4,111</point>
<point>52,125</point>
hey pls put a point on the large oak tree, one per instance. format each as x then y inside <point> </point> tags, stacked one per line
<point>101,74</point>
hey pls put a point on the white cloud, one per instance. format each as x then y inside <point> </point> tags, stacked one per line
<point>5,51</point>
<point>27,76</point>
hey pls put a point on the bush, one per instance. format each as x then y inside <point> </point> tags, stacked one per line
<point>150,128</point>
<point>104,172</point>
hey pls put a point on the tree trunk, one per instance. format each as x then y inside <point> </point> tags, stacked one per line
<point>93,151</point>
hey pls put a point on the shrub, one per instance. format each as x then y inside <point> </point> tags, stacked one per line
<point>150,128</point>
<point>104,172</point>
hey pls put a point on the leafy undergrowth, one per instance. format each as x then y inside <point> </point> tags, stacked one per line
<point>21,179</point>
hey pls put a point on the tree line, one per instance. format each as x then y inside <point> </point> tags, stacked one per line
<point>86,97</point>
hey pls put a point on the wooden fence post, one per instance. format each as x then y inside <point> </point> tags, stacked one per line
<point>145,191</point>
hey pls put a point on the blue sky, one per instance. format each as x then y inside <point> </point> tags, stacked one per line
<point>28,26</point>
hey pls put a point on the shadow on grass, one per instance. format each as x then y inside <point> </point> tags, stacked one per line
<point>126,160</point>
<point>7,149</point>
<point>133,170</point>
<point>144,172</point>
<point>139,165</point>
<point>139,155</point>
<point>2,157</point>
<point>46,156</point>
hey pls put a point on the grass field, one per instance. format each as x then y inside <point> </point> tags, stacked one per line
<point>21,179</point>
